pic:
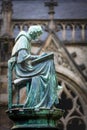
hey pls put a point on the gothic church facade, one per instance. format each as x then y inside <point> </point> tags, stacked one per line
<point>65,34</point>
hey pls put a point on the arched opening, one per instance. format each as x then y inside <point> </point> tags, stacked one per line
<point>86,32</point>
<point>25,27</point>
<point>68,32</point>
<point>73,105</point>
<point>60,31</point>
<point>78,36</point>
<point>16,30</point>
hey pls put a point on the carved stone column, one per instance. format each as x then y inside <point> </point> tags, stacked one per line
<point>6,17</point>
<point>64,33</point>
<point>83,32</point>
<point>73,33</point>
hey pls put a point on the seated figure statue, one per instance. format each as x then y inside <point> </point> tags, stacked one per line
<point>40,68</point>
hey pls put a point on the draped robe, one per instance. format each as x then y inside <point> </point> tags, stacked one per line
<point>43,86</point>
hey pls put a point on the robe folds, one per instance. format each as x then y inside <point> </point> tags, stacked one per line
<point>41,70</point>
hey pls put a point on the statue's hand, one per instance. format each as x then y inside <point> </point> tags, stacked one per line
<point>31,57</point>
<point>34,57</point>
<point>43,54</point>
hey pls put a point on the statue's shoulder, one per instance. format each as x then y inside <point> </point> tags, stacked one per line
<point>22,35</point>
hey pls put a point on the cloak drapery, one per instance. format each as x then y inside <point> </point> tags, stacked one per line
<point>43,87</point>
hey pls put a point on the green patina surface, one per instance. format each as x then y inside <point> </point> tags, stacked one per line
<point>28,118</point>
<point>37,74</point>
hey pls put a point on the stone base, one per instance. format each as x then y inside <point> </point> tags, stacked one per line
<point>34,119</point>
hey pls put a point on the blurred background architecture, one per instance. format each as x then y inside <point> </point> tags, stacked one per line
<point>65,33</point>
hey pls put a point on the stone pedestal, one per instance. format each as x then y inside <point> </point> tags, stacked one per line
<point>34,119</point>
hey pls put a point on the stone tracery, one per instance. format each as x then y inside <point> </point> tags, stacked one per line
<point>71,103</point>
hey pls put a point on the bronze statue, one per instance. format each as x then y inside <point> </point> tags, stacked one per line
<point>35,73</point>
<point>39,70</point>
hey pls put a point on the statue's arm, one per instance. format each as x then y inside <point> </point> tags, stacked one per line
<point>23,55</point>
<point>31,57</point>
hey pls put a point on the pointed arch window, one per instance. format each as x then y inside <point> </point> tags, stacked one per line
<point>70,101</point>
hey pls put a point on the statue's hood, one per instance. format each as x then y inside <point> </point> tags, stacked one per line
<point>21,42</point>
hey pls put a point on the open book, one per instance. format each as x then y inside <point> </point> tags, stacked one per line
<point>42,58</point>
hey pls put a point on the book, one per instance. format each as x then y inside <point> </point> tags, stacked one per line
<point>42,58</point>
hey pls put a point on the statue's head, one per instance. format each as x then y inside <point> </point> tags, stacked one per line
<point>35,31</point>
